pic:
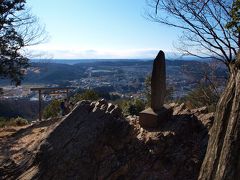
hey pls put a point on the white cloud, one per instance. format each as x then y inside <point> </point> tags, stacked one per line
<point>81,53</point>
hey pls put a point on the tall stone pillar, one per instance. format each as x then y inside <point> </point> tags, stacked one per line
<point>158,82</point>
<point>158,112</point>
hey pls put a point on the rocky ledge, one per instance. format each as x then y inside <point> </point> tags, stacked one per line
<point>95,141</point>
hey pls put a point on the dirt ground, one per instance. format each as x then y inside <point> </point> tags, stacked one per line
<point>18,144</point>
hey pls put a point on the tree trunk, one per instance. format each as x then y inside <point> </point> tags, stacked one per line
<point>222,160</point>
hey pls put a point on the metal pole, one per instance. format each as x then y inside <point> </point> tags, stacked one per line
<point>40,105</point>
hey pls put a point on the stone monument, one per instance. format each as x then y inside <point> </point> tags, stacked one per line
<point>158,112</point>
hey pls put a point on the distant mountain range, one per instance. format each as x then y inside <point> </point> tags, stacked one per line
<point>62,71</point>
<point>76,61</point>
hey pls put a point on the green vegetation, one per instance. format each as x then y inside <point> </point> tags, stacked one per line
<point>131,107</point>
<point>235,18</point>
<point>148,89</point>
<point>136,106</point>
<point>52,110</point>
<point>18,30</point>
<point>4,122</point>
<point>86,95</point>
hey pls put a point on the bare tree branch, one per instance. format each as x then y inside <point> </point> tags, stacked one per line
<point>204,20</point>
<point>156,9</point>
<point>18,29</point>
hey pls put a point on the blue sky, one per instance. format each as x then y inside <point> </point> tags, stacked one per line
<point>100,29</point>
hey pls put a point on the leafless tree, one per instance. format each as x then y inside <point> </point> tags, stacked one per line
<point>211,27</point>
<point>203,26</point>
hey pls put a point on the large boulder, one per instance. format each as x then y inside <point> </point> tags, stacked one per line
<point>96,142</point>
<point>70,151</point>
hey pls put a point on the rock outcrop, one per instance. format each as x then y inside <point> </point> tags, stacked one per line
<point>96,142</point>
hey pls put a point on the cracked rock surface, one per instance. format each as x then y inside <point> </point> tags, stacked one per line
<point>95,141</point>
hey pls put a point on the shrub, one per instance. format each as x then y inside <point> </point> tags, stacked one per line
<point>132,107</point>
<point>136,107</point>
<point>2,121</point>
<point>202,96</point>
<point>86,95</point>
<point>19,121</point>
<point>52,110</point>
<point>124,105</point>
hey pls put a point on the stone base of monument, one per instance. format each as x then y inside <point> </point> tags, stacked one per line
<point>152,119</point>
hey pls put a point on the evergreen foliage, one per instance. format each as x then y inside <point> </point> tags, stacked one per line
<point>18,29</point>
<point>86,95</point>
<point>52,110</point>
<point>132,106</point>
<point>234,24</point>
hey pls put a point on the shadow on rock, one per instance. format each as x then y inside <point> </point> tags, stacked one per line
<point>96,142</point>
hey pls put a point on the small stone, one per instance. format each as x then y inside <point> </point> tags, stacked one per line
<point>200,110</point>
<point>179,108</point>
<point>173,104</point>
